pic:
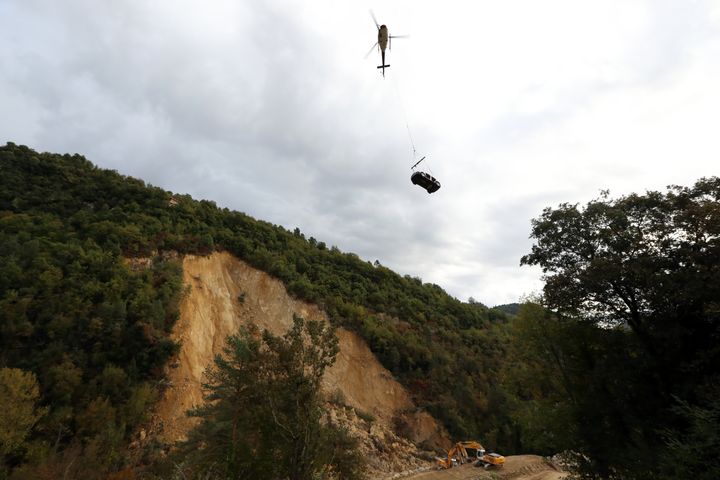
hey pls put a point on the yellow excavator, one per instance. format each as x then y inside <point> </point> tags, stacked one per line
<point>490,460</point>
<point>450,460</point>
<point>459,454</point>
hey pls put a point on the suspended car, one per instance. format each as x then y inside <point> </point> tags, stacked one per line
<point>426,181</point>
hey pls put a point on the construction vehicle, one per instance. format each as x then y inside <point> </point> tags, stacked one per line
<point>490,460</point>
<point>459,454</point>
<point>450,460</point>
<point>483,458</point>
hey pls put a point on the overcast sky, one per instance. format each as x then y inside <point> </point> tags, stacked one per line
<point>269,107</point>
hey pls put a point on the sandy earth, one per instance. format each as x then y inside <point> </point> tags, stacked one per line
<point>213,309</point>
<point>225,293</point>
<point>517,467</point>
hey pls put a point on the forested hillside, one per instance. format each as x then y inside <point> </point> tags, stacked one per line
<point>617,364</point>
<point>92,331</point>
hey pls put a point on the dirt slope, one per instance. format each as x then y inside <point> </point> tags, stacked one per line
<point>224,293</point>
<point>517,467</point>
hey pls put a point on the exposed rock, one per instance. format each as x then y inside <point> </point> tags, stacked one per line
<point>226,293</point>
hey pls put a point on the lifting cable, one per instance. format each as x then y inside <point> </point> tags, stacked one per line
<point>407,124</point>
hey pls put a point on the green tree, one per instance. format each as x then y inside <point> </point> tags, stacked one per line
<point>638,280</point>
<point>72,302</point>
<point>699,444</point>
<point>539,376</point>
<point>20,393</point>
<point>263,416</point>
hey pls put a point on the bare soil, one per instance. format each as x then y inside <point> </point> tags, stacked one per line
<point>517,467</point>
<point>225,293</point>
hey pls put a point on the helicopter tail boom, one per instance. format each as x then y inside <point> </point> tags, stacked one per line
<point>382,57</point>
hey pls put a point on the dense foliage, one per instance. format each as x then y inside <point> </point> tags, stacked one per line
<point>619,366</point>
<point>264,416</point>
<point>76,316</point>
<point>20,392</point>
<point>627,366</point>
<point>92,326</point>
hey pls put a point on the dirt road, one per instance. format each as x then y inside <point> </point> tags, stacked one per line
<point>517,467</point>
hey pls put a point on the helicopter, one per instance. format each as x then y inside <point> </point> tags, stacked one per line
<point>384,41</point>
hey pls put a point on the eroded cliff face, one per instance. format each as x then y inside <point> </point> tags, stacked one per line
<point>225,293</point>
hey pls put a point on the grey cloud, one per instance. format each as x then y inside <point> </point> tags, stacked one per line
<point>261,113</point>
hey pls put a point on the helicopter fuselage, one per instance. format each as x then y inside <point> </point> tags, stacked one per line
<point>382,44</point>
<point>383,37</point>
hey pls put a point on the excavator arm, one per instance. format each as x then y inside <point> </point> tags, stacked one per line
<point>460,450</point>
